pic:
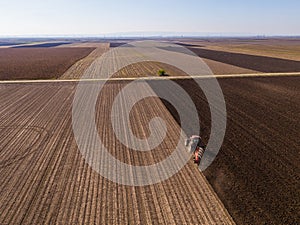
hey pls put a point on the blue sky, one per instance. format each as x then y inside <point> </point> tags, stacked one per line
<point>92,17</point>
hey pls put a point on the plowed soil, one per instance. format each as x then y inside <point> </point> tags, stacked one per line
<point>256,173</point>
<point>250,62</point>
<point>148,68</point>
<point>283,48</point>
<point>77,70</point>
<point>242,55</point>
<point>45,180</point>
<point>38,63</point>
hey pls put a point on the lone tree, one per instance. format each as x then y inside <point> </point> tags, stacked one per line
<point>162,72</point>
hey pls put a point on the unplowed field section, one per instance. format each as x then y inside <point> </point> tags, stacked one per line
<point>45,180</point>
<point>38,63</point>
<point>256,173</point>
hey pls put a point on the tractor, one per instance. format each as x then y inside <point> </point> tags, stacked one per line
<point>195,145</point>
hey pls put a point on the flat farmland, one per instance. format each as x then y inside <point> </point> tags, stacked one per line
<point>256,173</point>
<point>45,179</point>
<point>242,55</point>
<point>250,62</point>
<point>148,68</point>
<point>38,63</point>
<point>42,45</point>
<point>283,48</point>
<point>77,70</point>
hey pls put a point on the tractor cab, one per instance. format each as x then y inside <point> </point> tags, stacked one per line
<point>195,146</point>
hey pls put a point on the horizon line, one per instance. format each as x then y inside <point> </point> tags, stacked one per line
<point>151,36</point>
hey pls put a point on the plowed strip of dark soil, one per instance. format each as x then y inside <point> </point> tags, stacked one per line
<point>38,63</point>
<point>43,45</point>
<point>252,62</point>
<point>256,173</point>
<point>117,44</point>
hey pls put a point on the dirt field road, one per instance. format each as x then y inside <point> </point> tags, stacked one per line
<point>151,78</point>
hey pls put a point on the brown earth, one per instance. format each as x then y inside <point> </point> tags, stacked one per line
<point>256,173</point>
<point>76,71</point>
<point>148,68</point>
<point>244,55</point>
<point>284,48</point>
<point>282,51</point>
<point>38,63</point>
<point>220,68</point>
<point>44,178</point>
<point>218,62</point>
<point>87,44</point>
<point>250,62</point>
